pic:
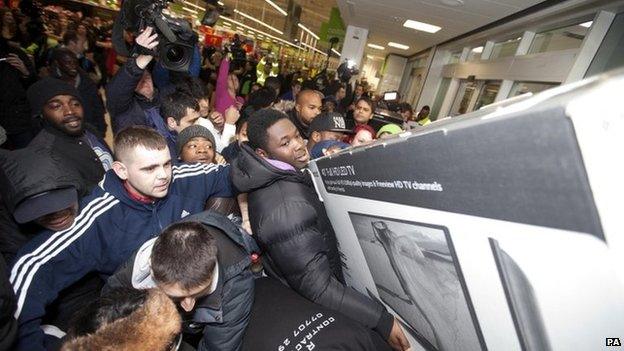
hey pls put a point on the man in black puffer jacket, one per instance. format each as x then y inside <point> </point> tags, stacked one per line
<point>292,227</point>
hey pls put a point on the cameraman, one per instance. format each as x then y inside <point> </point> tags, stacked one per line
<point>130,95</point>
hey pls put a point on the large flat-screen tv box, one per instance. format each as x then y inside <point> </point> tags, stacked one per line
<point>513,212</point>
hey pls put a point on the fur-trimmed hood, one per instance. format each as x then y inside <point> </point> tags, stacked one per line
<point>153,327</point>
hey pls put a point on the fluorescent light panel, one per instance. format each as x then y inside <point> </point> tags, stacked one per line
<point>307,30</point>
<point>336,52</point>
<point>375,46</point>
<point>189,10</point>
<point>586,24</point>
<point>398,46</point>
<point>279,9</point>
<point>421,26</point>
<point>478,49</point>
<point>258,21</point>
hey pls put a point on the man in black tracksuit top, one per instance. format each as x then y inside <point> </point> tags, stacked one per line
<point>221,312</point>
<point>291,225</point>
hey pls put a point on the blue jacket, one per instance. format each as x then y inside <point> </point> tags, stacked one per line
<point>108,229</point>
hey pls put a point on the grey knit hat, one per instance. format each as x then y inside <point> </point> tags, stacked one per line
<point>191,132</point>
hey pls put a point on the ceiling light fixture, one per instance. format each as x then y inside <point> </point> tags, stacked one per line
<point>421,26</point>
<point>307,30</point>
<point>258,21</point>
<point>376,47</point>
<point>586,24</point>
<point>398,46</point>
<point>220,3</point>
<point>277,7</point>
<point>189,10</point>
<point>336,52</point>
<point>477,50</point>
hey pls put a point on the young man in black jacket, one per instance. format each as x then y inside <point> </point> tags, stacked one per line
<point>292,227</point>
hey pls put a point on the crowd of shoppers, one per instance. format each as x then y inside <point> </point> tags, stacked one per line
<point>200,193</point>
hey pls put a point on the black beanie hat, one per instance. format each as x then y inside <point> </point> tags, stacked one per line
<point>191,132</point>
<point>45,89</point>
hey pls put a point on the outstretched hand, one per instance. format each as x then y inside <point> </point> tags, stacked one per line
<point>148,39</point>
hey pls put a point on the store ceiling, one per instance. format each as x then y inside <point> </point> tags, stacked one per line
<point>385,19</point>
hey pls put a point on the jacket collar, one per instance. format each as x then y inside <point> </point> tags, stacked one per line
<point>251,172</point>
<point>52,130</point>
<point>114,185</point>
<point>208,308</point>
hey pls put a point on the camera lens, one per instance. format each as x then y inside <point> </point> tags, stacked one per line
<point>175,54</point>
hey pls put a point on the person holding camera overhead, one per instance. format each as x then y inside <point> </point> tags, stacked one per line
<point>133,99</point>
<point>130,95</point>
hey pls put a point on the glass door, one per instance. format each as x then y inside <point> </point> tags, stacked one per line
<point>463,98</point>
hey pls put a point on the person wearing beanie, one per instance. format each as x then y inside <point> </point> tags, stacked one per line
<point>389,130</point>
<point>64,66</point>
<point>196,144</point>
<point>60,107</point>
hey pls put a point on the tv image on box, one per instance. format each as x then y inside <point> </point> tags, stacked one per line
<point>522,302</point>
<point>417,274</point>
